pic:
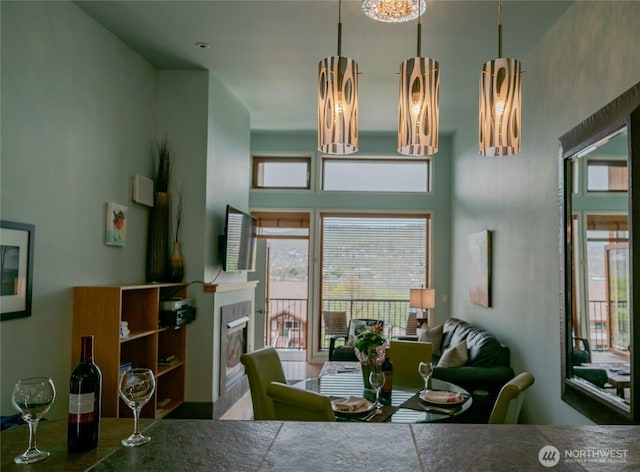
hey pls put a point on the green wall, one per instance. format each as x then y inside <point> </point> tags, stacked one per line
<point>80,111</point>
<point>78,117</point>
<point>589,57</point>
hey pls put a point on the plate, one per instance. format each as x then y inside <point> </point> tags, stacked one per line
<point>368,406</point>
<point>464,399</point>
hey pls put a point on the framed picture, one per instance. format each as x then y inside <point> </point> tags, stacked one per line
<point>116,225</point>
<point>480,270</point>
<point>16,269</point>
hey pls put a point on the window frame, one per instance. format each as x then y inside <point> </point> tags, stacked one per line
<point>364,160</point>
<point>259,159</point>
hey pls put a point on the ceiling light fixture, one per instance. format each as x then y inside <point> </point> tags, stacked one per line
<point>394,11</point>
<point>338,102</point>
<point>419,105</point>
<point>500,102</point>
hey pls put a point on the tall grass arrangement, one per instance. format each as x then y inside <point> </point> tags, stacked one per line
<point>163,164</point>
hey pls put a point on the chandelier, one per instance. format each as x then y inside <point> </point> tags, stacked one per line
<point>394,11</point>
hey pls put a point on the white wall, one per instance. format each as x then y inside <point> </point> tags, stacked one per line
<point>587,59</point>
<point>78,116</point>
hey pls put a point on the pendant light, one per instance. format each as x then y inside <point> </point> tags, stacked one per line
<point>500,103</point>
<point>393,11</point>
<point>419,105</point>
<point>338,102</point>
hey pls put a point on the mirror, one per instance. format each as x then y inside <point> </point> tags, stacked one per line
<point>600,159</point>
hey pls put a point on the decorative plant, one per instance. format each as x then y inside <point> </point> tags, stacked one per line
<point>163,164</point>
<point>178,215</point>
<point>370,347</point>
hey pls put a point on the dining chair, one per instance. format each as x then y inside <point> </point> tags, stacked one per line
<point>346,352</point>
<point>335,323</point>
<point>262,367</point>
<point>506,409</point>
<point>405,357</point>
<point>294,404</point>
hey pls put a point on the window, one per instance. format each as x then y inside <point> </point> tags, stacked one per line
<point>607,175</point>
<point>369,263</point>
<point>281,172</point>
<point>375,175</point>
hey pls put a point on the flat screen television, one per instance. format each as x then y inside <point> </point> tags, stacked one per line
<point>239,241</point>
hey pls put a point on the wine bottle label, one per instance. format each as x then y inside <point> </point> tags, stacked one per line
<point>81,407</point>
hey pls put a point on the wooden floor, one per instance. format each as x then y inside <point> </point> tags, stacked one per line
<point>294,371</point>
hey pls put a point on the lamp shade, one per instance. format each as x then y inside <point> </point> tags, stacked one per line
<point>337,105</point>
<point>500,108</point>
<point>393,11</point>
<point>418,107</point>
<point>423,298</point>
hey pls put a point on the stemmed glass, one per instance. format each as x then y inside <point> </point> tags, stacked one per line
<point>136,388</point>
<point>376,378</point>
<point>33,397</point>
<point>425,369</point>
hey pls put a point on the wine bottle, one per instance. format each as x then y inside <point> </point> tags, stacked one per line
<point>85,390</point>
<point>387,369</point>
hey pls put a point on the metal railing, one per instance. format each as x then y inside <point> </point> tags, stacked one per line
<point>600,324</point>
<point>287,319</point>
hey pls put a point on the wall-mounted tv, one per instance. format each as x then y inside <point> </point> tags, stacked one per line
<point>239,241</point>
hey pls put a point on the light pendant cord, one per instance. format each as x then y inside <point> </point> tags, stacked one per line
<point>499,28</point>
<point>339,28</point>
<point>419,31</point>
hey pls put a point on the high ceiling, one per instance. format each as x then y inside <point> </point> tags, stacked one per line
<point>267,52</point>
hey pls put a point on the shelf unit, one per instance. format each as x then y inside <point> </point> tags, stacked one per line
<point>98,311</point>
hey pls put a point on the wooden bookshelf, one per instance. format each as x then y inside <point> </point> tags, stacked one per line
<point>98,311</point>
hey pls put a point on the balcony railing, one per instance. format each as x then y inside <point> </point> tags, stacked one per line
<point>287,318</point>
<point>599,324</point>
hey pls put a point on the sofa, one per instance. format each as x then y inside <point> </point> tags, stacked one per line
<point>484,371</point>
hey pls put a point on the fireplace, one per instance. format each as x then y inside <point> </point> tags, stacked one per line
<point>234,324</point>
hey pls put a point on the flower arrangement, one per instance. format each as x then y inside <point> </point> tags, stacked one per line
<point>370,348</point>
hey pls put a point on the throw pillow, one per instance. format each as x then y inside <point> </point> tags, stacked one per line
<point>454,357</point>
<point>431,335</point>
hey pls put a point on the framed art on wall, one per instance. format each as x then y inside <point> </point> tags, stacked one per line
<point>116,225</point>
<point>480,270</point>
<point>16,269</point>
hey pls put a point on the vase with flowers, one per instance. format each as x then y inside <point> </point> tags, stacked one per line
<point>370,351</point>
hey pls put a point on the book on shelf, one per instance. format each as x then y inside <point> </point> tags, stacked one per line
<point>125,366</point>
<point>164,402</point>
<point>168,360</point>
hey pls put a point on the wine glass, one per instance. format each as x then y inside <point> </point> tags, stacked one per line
<point>136,388</point>
<point>376,378</point>
<point>33,397</point>
<point>425,369</point>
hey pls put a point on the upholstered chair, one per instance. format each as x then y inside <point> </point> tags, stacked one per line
<point>405,357</point>
<point>507,407</point>
<point>262,367</point>
<point>294,404</point>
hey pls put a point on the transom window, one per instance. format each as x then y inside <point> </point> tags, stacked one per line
<point>281,172</point>
<point>376,175</point>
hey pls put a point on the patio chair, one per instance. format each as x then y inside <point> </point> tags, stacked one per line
<point>346,352</point>
<point>335,323</point>
<point>507,407</point>
<point>262,367</point>
<point>405,357</point>
<point>294,404</point>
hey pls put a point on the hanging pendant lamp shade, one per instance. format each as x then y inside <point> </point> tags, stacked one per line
<point>338,102</point>
<point>500,104</point>
<point>338,105</point>
<point>418,107</point>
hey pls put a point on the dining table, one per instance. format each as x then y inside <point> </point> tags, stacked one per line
<point>341,380</point>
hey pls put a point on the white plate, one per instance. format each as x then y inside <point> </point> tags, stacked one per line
<point>363,409</point>
<point>464,398</point>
